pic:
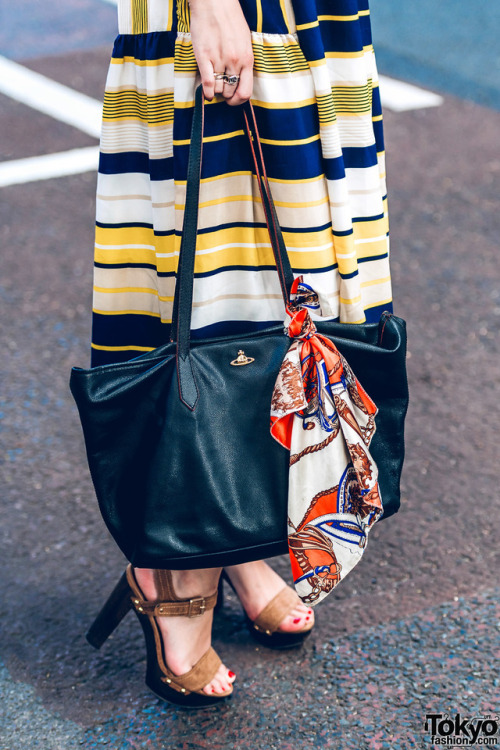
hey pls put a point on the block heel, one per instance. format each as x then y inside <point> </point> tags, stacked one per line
<point>119,603</point>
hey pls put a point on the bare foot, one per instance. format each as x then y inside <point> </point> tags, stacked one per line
<point>185,639</point>
<point>256,583</point>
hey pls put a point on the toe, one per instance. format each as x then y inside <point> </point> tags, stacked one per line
<point>220,685</point>
<point>214,686</point>
<point>302,610</point>
<point>300,617</point>
<point>291,623</point>
<point>221,682</point>
<point>224,677</point>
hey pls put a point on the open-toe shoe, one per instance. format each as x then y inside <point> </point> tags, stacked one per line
<point>183,690</point>
<point>265,628</point>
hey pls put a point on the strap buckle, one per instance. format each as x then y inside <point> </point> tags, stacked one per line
<point>200,600</point>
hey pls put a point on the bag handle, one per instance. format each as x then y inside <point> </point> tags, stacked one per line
<point>285,272</point>
<point>283,266</point>
<point>183,299</point>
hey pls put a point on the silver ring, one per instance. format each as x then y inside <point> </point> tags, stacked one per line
<point>220,76</point>
<point>231,80</point>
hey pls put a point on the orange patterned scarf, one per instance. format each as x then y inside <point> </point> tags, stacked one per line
<point>320,412</point>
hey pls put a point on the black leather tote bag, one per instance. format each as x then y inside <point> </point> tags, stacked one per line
<point>185,469</point>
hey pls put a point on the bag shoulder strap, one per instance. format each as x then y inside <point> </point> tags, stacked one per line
<point>181,314</point>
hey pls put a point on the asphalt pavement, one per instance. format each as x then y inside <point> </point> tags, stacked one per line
<point>451,46</point>
<point>413,632</point>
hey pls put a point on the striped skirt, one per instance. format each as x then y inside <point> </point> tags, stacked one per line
<point>317,105</point>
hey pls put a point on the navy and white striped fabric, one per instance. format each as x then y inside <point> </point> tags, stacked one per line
<point>317,105</point>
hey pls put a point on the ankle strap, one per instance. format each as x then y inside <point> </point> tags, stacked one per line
<point>183,607</point>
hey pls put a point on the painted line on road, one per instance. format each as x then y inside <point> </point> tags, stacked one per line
<point>400,96</point>
<point>51,98</point>
<point>49,166</point>
<point>85,113</point>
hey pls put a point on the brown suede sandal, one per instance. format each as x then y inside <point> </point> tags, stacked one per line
<point>265,627</point>
<point>182,690</point>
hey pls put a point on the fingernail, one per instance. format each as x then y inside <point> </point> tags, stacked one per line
<point>213,690</point>
<point>297,619</point>
<point>310,611</point>
<point>308,618</point>
<point>231,674</point>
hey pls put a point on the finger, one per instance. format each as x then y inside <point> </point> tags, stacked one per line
<point>219,83</point>
<point>230,88</point>
<point>245,87</point>
<point>207,78</point>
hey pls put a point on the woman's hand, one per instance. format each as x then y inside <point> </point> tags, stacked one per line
<point>222,44</point>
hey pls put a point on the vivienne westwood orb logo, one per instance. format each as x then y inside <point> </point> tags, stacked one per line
<point>242,359</point>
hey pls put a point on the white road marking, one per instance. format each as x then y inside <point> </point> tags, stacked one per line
<point>401,96</point>
<point>85,113</point>
<point>47,167</point>
<point>50,97</point>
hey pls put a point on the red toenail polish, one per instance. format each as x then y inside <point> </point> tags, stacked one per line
<point>231,674</point>
<point>297,619</point>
